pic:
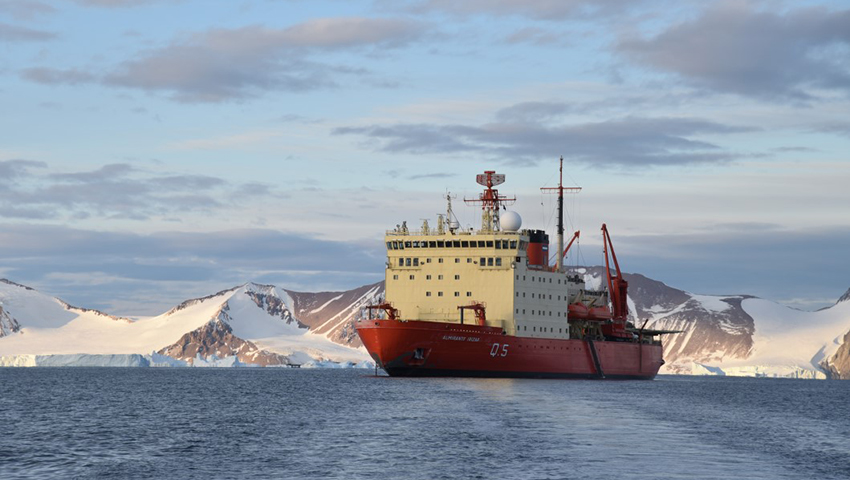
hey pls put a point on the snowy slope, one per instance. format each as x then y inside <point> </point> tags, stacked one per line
<point>256,319</point>
<point>739,334</point>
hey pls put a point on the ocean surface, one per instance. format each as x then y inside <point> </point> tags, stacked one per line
<point>348,424</point>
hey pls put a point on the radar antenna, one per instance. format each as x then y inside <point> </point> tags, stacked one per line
<point>490,200</point>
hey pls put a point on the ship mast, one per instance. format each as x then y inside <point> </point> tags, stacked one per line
<point>490,200</point>
<point>560,189</point>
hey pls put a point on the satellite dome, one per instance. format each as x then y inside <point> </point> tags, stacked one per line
<point>510,221</point>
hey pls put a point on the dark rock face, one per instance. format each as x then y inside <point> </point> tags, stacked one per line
<point>274,306</point>
<point>844,297</point>
<point>838,366</point>
<point>335,313</point>
<point>216,338</point>
<point>8,324</point>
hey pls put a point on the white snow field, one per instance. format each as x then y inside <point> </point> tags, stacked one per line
<point>73,336</point>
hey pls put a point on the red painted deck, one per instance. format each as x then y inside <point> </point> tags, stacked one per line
<point>418,348</point>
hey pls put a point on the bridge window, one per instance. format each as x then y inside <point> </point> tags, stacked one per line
<point>406,262</point>
<point>456,243</point>
<point>407,244</point>
<point>498,245</point>
<point>464,244</point>
<point>489,243</point>
<point>490,262</point>
<point>440,244</point>
<point>498,262</point>
<point>432,244</point>
<point>483,261</point>
<point>415,262</point>
<point>480,243</point>
<point>400,262</point>
<point>513,244</point>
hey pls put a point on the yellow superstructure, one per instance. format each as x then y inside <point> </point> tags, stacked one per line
<point>430,274</point>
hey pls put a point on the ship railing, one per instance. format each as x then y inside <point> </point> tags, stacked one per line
<point>435,233</point>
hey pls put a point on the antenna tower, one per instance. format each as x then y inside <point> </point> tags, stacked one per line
<point>490,200</point>
<point>560,189</point>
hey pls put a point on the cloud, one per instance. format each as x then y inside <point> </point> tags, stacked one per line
<point>758,259</point>
<point>134,270</point>
<point>533,112</point>
<point>111,191</point>
<point>535,36</point>
<point>25,9</point>
<point>11,169</point>
<point>120,3</point>
<point>628,141</point>
<point>12,33</point>
<point>227,64</point>
<point>229,141</point>
<point>550,10</point>
<point>734,48</point>
<point>57,76</point>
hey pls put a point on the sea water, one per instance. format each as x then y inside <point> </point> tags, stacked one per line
<point>349,424</point>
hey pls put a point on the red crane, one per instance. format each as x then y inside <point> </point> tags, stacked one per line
<point>617,285</point>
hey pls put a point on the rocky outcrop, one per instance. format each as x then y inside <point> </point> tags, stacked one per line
<point>8,324</point>
<point>334,313</point>
<point>266,298</point>
<point>216,340</point>
<point>838,366</point>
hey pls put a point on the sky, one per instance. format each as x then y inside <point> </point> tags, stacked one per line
<point>153,151</point>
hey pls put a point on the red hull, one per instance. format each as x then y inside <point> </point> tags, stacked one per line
<point>418,348</point>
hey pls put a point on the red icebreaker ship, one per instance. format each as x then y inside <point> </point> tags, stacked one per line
<point>487,303</point>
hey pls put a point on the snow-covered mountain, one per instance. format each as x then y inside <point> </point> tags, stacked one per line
<point>265,325</point>
<point>249,324</point>
<point>739,334</point>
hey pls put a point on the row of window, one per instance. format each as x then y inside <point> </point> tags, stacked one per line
<point>524,328</point>
<point>542,296</point>
<point>440,294</point>
<point>484,261</point>
<point>541,313</point>
<point>541,279</point>
<point>498,244</point>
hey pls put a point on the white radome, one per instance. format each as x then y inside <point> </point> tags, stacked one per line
<point>510,221</point>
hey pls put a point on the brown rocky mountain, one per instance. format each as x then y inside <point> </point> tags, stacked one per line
<point>333,313</point>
